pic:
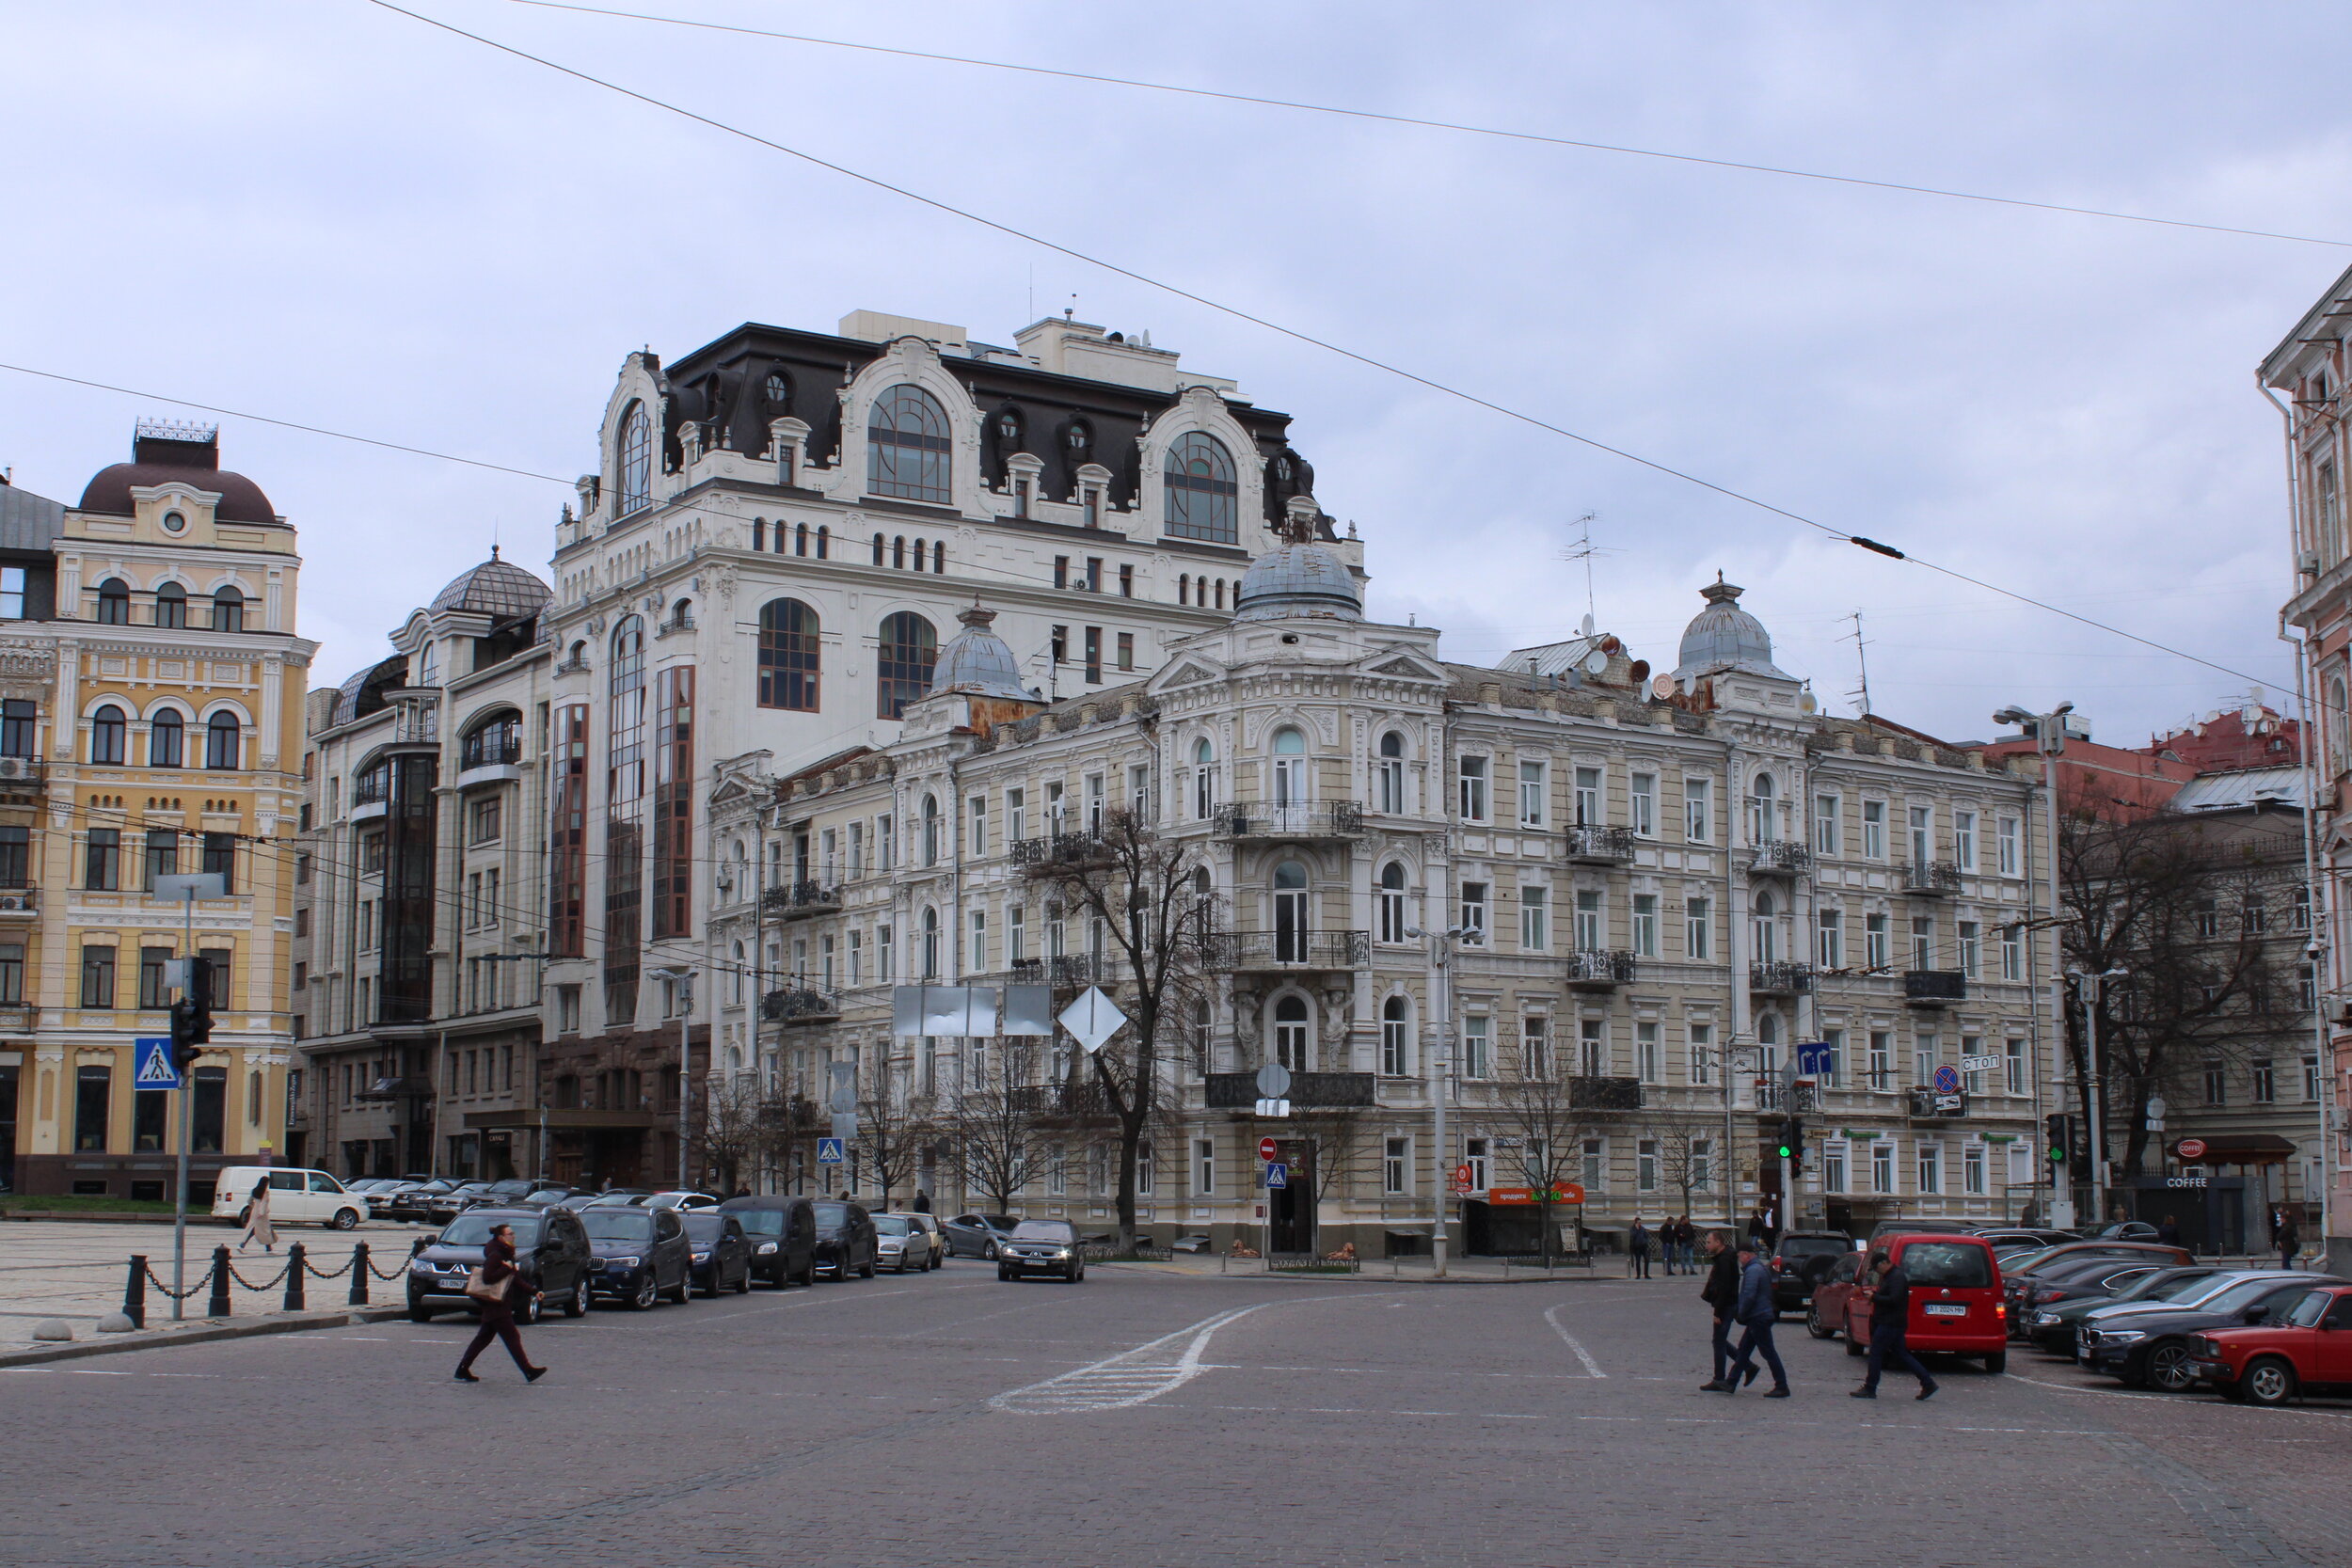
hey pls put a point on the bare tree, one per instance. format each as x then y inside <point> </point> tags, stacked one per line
<point>997,1144</point>
<point>893,1127</point>
<point>1550,1116</point>
<point>741,1125</point>
<point>1689,1160</point>
<point>1137,887</point>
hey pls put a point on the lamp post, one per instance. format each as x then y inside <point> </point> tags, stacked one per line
<point>2050,732</point>
<point>1740,1054</point>
<point>1440,953</point>
<point>683,978</point>
<point>2094,990</point>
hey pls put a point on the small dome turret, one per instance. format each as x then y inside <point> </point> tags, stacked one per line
<point>496,588</point>
<point>1725,637</point>
<point>977,661</point>
<point>1300,578</point>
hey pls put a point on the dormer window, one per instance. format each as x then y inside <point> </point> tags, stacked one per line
<point>1204,499</point>
<point>635,453</point>
<point>907,446</point>
<point>779,393</point>
<point>175,522</point>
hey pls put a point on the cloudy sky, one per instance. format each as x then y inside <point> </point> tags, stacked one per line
<point>325,212</point>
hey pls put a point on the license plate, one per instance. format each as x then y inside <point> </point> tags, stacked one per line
<point>1956,1309</point>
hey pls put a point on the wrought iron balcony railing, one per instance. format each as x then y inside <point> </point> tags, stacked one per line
<point>1935,988</point>
<point>1296,819</point>
<point>795,900</point>
<point>1238,1091</point>
<point>1068,969</point>
<point>1779,977</point>
<point>1055,851</point>
<point>1591,844</point>
<point>1930,879</point>
<point>1605,1094</point>
<point>799,1006</point>
<point>1782,855</point>
<point>1252,950</point>
<point>1600,967</point>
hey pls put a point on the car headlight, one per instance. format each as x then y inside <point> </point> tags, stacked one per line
<point>2044,1319</point>
<point>421,1265</point>
<point>766,1248</point>
<point>2122,1337</point>
<point>894,1246</point>
<point>701,1258</point>
<point>1061,1252</point>
<point>620,1262</point>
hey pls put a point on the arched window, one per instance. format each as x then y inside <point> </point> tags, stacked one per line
<point>800,539</point>
<point>624,735</point>
<point>635,453</point>
<point>2339,727</point>
<point>898,552</point>
<point>939,558</point>
<point>791,661</point>
<point>228,609</point>
<point>224,744</point>
<point>1290,768</point>
<point>824,541</point>
<point>1392,921</point>
<point>114,603</point>
<point>1290,1032</point>
<point>759,535</point>
<point>495,742</point>
<point>878,549</point>
<point>1203,498</point>
<point>930,830</point>
<point>167,740</point>
<point>1220,593</point>
<point>1767,925</point>
<point>1204,781</point>
<point>1388,777</point>
<point>106,729</point>
<point>171,606</point>
<point>1290,913</point>
<point>1768,1037</point>
<point>1184,588</point>
<point>930,944</point>
<point>1396,1036</point>
<point>1761,810</point>
<point>906,446</point>
<point>908,647</point>
<point>739,957</point>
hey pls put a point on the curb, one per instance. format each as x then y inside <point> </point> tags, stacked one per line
<point>1363,1277</point>
<point>105,1216</point>
<point>116,1344</point>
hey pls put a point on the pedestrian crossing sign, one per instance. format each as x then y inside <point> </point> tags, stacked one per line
<point>154,1067</point>
<point>829,1151</point>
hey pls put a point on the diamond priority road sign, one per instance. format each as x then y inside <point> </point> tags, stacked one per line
<point>1092,1019</point>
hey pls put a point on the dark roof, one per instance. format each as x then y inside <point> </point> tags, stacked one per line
<point>28,522</point>
<point>160,460</point>
<point>497,588</point>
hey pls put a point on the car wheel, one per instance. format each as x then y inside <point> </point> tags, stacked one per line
<point>643,1300</point>
<point>1853,1346</point>
<point>245,1216</point>
<point>1814,1326</point>
<point>1003,1272</point>
<point>418,1312</point>
<point>989,1251</point>
<point>712,1289</point>
<point>2169,1368</point>
<point>808,1272</point>
<point>685,1289</point>
<point>529,1313</point>
<point>344,1219</point>
<point>744,1281</point>
<point>2269,1381</point>
<point>1997,1363</point>
<point>578,1306</point>
<point>867,1271</point>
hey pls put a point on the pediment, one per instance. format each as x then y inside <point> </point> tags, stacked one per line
<point>1192,672</point>
<point>1408,668</point>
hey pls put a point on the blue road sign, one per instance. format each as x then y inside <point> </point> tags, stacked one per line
<point>1278,1175</point>
<point>153,1067</point>
<point>829,1151</point>
<point>1948,1079</point>
<point>1816,1060</point>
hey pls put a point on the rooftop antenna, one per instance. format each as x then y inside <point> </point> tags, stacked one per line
<point>1861,693</point>
<point>1583,550</point>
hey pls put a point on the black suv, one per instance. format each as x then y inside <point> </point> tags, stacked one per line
<point>1801,1261</point>
<point>845,1238</point>
<point>782,1234</point>
<point>641,1254</point>
<point>549,1247</point>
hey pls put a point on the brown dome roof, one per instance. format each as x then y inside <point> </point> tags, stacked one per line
<point>188,455</point>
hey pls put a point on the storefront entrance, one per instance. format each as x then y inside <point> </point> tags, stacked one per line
<point>1291,1209</point>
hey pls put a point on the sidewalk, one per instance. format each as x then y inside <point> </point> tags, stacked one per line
<point>1409,1271</point>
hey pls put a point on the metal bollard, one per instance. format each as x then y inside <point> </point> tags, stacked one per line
<point>358,1276</point>
<point>295,1264</point>
<point>218,1306</point>
<point>416,1248</point>
<point>135,1291</point>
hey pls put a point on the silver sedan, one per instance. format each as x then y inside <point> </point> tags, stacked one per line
<point>900,1244</point>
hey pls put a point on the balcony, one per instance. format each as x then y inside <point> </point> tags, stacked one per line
<point>1058,852</point>
<point>1772,1095</point>
<point>1779,977</point>
<point>1297,820</point>
<point>1922,1102</point>
<point>1604,1094</point>
<point>1069,970</point>
<point>1781,858</point>
<point>796,1005</point>
<point>1590,844</point>
<point>20,902</point>
<point>800,900</point>
<point>1241,951</point>
<point>1599,969</point>
<point>1077,1099</point>
<point>1238,1091</point>
<point>1933,988</point>
<point>1930,879</point>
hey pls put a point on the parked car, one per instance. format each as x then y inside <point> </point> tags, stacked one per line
<point>2152,1349</point>
<point>2054,1327</point>
<point>548,1245</point>
<point>930,1223</point>
<point>545,1195</point>
<point>620,1198</point>
<point>502,1194</point>
<point>640,1254</point>
<point>411,1198</point>
<point>377,1189</point>
<point>441,1208</point>
<point>722,1257</point>
<point>783,1236</point>
<point>2125,1230</point>
<point>1955,1304</point>
<point>2095,1281</point>
<point>2272,1363</point>
<point>1041,1246</point>
<point>2018,1278</point>
<point>901,1244</point>
<point>295,1196</point>
<point>2022,1238</point>
<point>1825,1311</point>
<point>681,1200</point>
<point>1800,1259</point>
<point>845,1244</point>
<point>976,1235</point>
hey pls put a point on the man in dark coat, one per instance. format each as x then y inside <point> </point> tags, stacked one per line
<point>1890,1317</point>
<point>1722,1293</point>
<point>1755,1312</point>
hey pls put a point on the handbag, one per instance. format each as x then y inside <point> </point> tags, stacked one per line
<point>481,1290</point>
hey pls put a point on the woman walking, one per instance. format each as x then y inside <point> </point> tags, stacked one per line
<point>257,1226</point>
<point>493,1290</point>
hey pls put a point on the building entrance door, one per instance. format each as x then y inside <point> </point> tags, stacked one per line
<point>1291,1209</point>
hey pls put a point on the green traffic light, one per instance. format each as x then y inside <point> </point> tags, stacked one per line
<point>1786,1151</point>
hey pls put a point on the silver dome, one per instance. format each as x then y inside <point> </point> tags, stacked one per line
<point>1297,579</point>
<point>496,588</point>
<point>977,661</point>
<point>1725,637</point>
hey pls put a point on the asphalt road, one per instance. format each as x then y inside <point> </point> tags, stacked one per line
<point>947,1418</point>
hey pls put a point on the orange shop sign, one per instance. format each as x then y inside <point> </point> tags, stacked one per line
<point>1563,1191</point>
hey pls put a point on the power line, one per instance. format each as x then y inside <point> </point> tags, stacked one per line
<point>1447,125</point>
<point>287,425</point>
<point>1297,336</point>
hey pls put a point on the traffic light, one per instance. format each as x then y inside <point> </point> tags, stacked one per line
<point>192,1016</point>
<point>1792,1144</point>
<point>2057,1138</point>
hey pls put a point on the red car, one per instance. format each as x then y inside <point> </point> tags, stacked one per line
<point>1956,1302</point>
<point>2311,1350</point>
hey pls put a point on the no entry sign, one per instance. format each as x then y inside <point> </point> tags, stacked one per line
<point>1267,1149</point>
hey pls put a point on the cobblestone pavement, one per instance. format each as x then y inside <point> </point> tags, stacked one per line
<point>949,1419</point>
<point>75,1271</point>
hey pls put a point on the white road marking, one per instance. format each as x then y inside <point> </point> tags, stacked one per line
<point>1130,1378</point>
<point>1591,1366</point>
<point>2175,1399</point>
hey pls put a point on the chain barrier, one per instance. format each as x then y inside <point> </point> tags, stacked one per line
<point>270,1284</point>
<point>222,1272</point>
<point>156,1283</point>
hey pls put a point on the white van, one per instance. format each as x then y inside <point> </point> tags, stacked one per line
<point>311,1197</point>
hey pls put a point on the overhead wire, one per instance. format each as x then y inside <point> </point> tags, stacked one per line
<point>1428,124</point>
<point>1297,335</point>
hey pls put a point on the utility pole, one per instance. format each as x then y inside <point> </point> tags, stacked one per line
<point>2095,993</point>
<point>191,1029</point>
<point>1441,955</point>
<point>682,979</point>
<point>2050,732</point>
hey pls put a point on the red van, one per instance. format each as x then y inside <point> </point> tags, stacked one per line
<point>1955,1304</point>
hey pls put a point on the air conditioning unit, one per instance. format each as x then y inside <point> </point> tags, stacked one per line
<point>16,902</point>
<point>2307,563</point>
<point>17,768</point>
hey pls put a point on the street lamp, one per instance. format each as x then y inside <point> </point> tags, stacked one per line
<point>1440,950</point>
<point>683,978</point>
<point>2095,1088</point>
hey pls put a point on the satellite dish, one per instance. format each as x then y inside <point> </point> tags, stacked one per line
<point>1806,703</point>
<point>1595,662</point>
<point>1662,688</point>
<point>1588,625</point>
